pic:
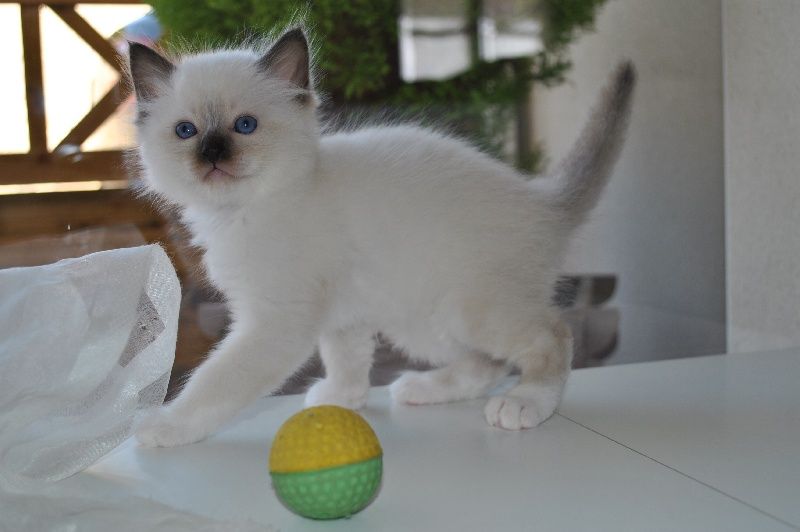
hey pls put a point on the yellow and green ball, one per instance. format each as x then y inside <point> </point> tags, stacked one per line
<point>326,463</point>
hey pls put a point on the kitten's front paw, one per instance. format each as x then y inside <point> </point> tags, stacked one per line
<point>417,388</point>
<point>163,428</point>
<point>514,413</point>
<point>325,392</point>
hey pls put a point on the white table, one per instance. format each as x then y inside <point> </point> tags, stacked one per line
<point>709,443</point>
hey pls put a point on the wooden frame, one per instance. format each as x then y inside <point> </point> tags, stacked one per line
<point>65,162</point>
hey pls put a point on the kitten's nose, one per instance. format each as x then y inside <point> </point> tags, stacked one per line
<point>212,153</point>
<point>214,147</point>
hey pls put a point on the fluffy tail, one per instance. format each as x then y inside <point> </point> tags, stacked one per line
<point>581,176</point>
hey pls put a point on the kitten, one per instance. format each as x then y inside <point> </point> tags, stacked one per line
<point>326,240</point>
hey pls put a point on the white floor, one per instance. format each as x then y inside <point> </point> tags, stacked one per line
<point>696,444</point>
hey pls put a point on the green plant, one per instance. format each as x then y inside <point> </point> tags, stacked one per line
<point>355,39</point>
<point>357,56</point>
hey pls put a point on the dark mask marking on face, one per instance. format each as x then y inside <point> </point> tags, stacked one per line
<point>215,147</point>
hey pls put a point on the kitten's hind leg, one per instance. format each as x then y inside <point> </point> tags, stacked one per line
<point>545,366</point>
<point>471,375</point>
<point>347,356</point>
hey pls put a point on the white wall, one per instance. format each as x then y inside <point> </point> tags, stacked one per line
<point>660,227</point>
<point>762,161</point>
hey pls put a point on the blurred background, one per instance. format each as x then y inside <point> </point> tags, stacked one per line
<point>693,250</point>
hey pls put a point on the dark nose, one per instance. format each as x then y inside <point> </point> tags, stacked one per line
<point>215,147</point>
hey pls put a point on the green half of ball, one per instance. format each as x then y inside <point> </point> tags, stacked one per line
<point>330,493</point>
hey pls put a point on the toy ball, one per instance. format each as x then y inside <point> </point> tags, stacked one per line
<point>326,463</point>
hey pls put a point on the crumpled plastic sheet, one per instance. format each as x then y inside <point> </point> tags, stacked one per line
<point>86,345</point>
<point>86,349</point>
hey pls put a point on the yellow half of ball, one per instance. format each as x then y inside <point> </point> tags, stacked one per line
<point>322,437</point>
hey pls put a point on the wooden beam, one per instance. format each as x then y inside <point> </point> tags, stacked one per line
<point>21,169</point>
<point>34,86</point>
<point>98,114</point>
<point>108,103</point>
<point>86,32</point>
<point>116,216</point>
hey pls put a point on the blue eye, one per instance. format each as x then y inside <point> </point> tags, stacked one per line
<point>245,125</point>
<point>185,130</point>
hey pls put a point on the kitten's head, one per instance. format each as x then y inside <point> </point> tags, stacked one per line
<point>223,127</point>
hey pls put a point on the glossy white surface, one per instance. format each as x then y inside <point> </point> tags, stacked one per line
<point>730,421</point>
<point>446,470</point>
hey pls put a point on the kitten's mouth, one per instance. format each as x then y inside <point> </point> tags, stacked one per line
<point>217,174</point>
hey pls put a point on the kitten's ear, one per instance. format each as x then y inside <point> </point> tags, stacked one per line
<point>149,70</point>
<point>288,59</point>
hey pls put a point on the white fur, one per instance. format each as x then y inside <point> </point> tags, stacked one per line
<point>328,240</point>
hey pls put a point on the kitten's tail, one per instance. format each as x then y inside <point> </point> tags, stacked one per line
<point>581,177</point>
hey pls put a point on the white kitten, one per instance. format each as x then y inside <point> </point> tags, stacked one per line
<point>327,240</point>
